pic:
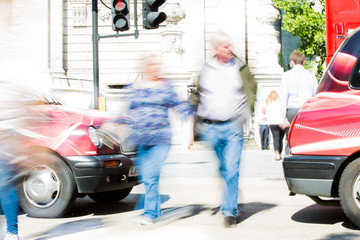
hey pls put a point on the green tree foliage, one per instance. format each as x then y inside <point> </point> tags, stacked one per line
<point>306,19</point>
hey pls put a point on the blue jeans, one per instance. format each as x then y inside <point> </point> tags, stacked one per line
<point>264,136</point>
<point>8,197</point>
<point>227,140</point>
<point>150,160</point>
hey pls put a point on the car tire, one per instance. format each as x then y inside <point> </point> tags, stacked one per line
<point>49,190</point>
<point>110,196</point>
<point>349,191</point>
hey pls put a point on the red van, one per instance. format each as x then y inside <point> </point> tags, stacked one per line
<point>342,17</point>
<point>324,138</point>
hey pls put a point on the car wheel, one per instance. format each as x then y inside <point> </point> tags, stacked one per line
<point>349,191</point>
<point>110,196</point>
<point>49,190</point>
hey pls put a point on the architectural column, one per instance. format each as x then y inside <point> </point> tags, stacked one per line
<point>174,69</point>
<point>56,31</point>
<point>172,45</point>
<point>263,52</point>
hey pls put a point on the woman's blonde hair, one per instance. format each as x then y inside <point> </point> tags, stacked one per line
<point>273,97</point>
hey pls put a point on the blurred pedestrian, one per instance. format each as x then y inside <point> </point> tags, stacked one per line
<point>150,100</point>
<point>264,130</point>
<point>14,115</point>
<point>297,85</point>
<point>223,110</point>
<point>275,122</point>
<point>8,198</point>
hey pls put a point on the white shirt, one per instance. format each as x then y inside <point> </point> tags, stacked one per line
<point>297,85</point>
<point>221,95</point>
<point>273,113</point>
<point>263,119</point>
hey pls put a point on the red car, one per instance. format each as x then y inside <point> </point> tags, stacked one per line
<point>324,137</point>
<point>75,153</point>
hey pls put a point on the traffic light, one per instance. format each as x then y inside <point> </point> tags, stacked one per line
<point>151,17</point>
<point>120,10</point>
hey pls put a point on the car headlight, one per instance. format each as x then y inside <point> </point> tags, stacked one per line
<point>94,136</point>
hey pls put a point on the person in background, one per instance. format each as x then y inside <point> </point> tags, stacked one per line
<point>275,121</point>
<point>264,130</point>
<point>223,110</point>
<point>297,85</point>
<point>150,99</point>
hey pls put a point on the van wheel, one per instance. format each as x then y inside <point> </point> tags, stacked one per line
<point>349,191</point>
<point>110,196</point>
<point>49,189</point>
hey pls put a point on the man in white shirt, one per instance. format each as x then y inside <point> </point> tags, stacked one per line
<point>223,109</point>
<point>297,85</point>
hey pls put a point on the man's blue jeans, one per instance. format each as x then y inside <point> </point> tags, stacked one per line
<point>227,141</point>
<point>264,136</point>
<point>150,160</point>
<point>8,198</point>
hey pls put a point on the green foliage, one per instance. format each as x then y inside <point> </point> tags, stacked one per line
<point>306,19</point>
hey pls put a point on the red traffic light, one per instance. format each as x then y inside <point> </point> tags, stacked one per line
<point>119,5</point>
<point>120,11</point>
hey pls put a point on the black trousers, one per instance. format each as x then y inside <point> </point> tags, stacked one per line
<point>278,137</point>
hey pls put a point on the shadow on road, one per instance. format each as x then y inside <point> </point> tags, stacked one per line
<point>173,214</point>
<point>170,215</point>
<point>69,228</point>
<point>86,206</point>
<point>248,210</point>
<point>323,215</point>
<point>341,236</point>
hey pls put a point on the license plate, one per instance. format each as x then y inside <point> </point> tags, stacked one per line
<point>133,171</point>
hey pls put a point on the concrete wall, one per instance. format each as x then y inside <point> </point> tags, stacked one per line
<point>24,42</point>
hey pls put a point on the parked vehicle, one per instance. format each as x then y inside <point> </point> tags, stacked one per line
<point>324,137</point>
<point>74,153</point>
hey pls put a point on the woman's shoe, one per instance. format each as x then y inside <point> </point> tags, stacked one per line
<point>277,156</point>
<point>11,236</point>
<point>146,221</point>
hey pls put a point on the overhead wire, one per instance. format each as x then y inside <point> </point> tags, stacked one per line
<point>105,4</point>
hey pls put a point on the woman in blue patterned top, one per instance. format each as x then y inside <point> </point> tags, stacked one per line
<point>150,99</point>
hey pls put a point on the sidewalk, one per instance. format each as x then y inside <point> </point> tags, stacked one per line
<point>201,146</point>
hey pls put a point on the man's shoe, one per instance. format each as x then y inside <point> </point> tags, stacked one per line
<point>229,222</point>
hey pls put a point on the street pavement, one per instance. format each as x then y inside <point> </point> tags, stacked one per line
<point>190,189</point>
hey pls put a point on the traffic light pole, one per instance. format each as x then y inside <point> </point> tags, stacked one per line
<point>96,37</point>
<point>95,40</point>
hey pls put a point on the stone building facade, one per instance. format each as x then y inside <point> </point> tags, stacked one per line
<point>62,44</point>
